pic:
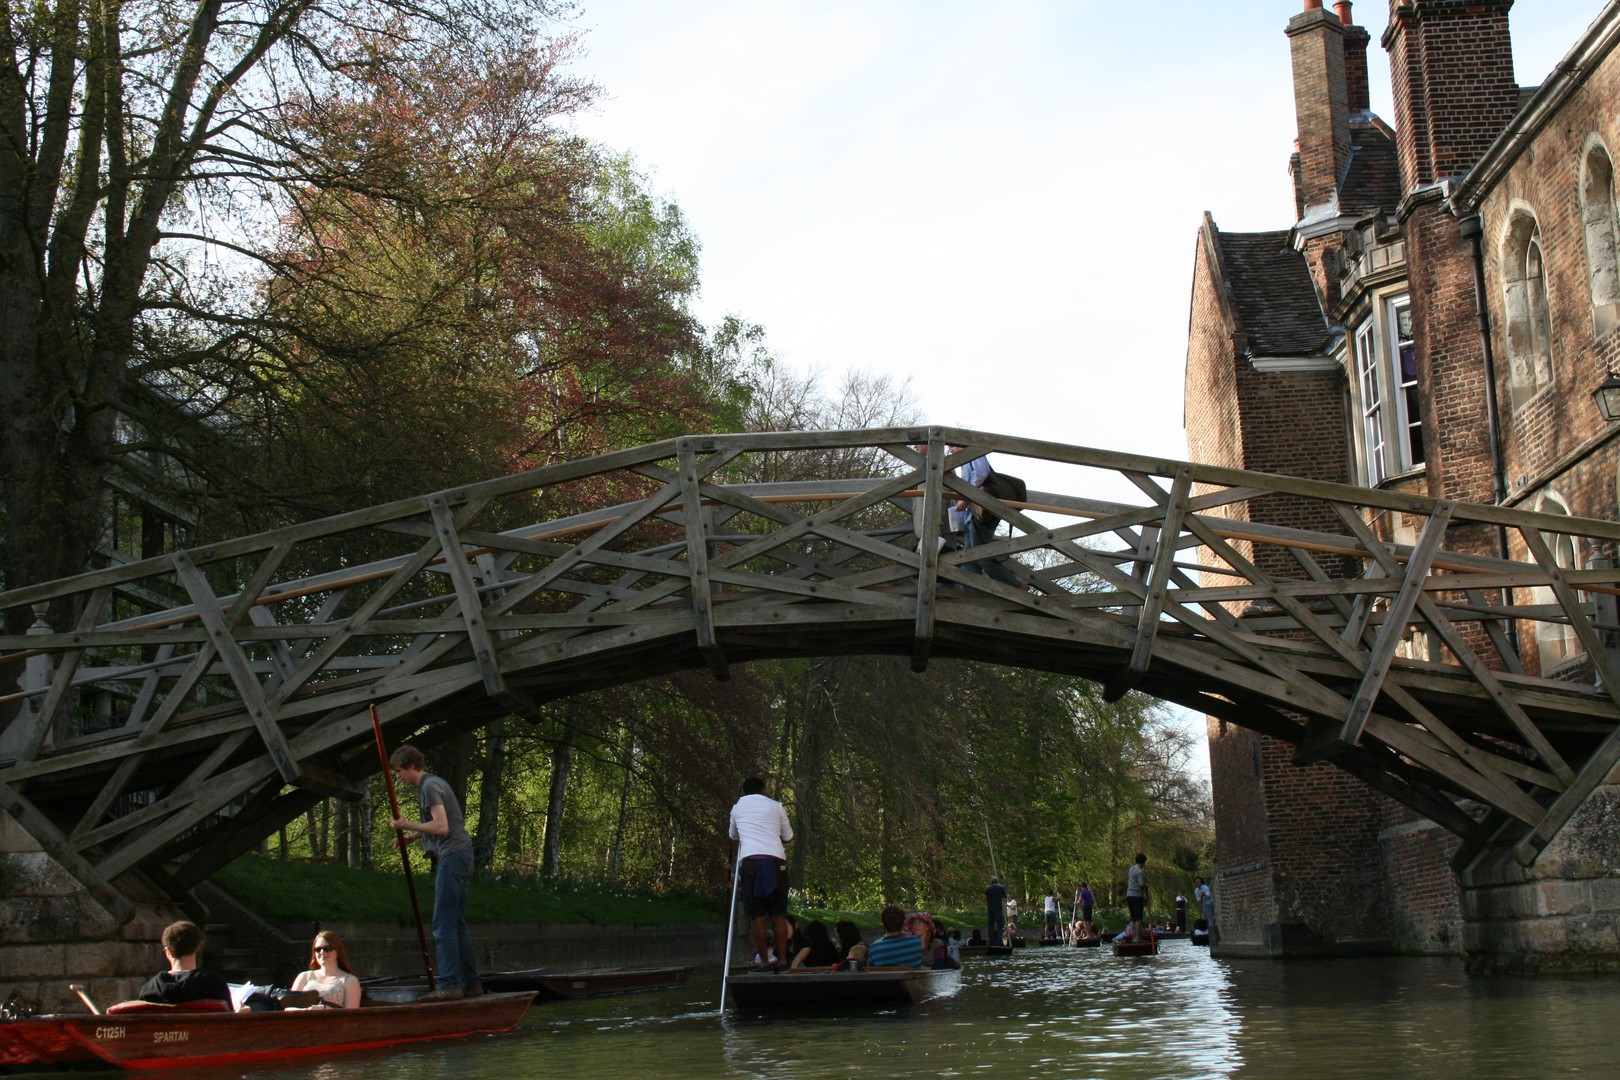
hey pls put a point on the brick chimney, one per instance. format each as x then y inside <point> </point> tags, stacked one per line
<point>1451,64</point>
<point>1321,105</point>
<point>1356,40</point>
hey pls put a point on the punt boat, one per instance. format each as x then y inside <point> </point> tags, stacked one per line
<point>545,983</point>
<point>143,1036</point>
<point>810,989</point>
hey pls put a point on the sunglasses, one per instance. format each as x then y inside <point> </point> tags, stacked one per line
<point>326,948</point>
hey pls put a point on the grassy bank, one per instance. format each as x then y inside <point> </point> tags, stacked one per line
<point>306,889</point>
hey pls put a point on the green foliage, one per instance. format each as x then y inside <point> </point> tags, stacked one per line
<point>317,890</point>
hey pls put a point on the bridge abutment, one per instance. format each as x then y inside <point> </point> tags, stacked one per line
<point>1561,913</point>
<point>53,933</point>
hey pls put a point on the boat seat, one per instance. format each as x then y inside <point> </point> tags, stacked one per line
<point>124,1008</point>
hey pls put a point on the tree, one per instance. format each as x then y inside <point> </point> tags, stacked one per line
<point>142,146</point>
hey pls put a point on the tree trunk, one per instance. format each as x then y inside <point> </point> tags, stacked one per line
<point>562,760</point>
<point>489,796</point>
<point>624,808</point>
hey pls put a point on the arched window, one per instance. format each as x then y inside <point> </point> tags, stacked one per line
<point>1529,325</point>
<point>1556,642</point>
<point>1602,228</point>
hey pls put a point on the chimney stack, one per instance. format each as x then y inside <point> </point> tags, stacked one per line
<point>1451,65</point>
<point>1321,104</point>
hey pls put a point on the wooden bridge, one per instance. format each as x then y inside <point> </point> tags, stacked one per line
<point>189,705</point>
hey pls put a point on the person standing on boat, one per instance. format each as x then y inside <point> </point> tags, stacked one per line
<point>443,833</point>
<point>1136,896</point>
<point>1088,903</point>
<point>1051,931</point>
<point>1206,901</point>
<point>995,898</point>
<point>760,826</point>
<point>184,981</point>
<point>1181,912</point>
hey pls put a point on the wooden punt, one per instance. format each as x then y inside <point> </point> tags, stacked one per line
<point>818,989</point>
<point>1200,937</point>
<point>998,950</point>
<point>1147,947</point>
<point>545,983</point>
<point>1087,942</point>
<point>146,1037</point>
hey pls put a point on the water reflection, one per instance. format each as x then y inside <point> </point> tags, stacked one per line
<point>1062,1012</point>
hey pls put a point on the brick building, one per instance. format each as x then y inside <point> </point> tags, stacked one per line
<point>1436,319</point>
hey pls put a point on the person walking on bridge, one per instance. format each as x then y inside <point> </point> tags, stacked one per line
<point>443,832</point>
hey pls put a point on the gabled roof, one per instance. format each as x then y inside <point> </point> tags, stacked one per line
<point>1272,296</point>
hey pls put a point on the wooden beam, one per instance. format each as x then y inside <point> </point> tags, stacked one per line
<point>697,564</point>
<point>479,641</point>
<point>1393,631</point>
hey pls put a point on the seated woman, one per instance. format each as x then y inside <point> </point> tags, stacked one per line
<point>938,953</point>
<point>329,973</point>
<point>921,924</point>
<point>818,949</point>
<point>850,943</point>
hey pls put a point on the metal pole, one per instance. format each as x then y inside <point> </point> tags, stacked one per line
<point>731,931</point>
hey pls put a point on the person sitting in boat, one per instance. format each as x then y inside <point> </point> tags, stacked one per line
<point>850,943</point>
<point>184,981</point>
<point>938,955</point>
<point>895,948</point>
<point>329,973</point>
<point>818,948</point>
<point>921,924</point>
<point>977,938</point>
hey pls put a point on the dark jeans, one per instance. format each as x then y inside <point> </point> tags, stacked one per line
<point>998,926</point>
<point>458,966</point>
<point>975,535</point>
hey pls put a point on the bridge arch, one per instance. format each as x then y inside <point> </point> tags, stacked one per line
<point>234,680</point>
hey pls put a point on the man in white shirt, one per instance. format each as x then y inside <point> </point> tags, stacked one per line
<point>760,827</point>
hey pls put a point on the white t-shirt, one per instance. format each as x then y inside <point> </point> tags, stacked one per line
<point>760,826</point>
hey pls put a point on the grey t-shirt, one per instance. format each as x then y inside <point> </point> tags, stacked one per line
<point>436,791</point>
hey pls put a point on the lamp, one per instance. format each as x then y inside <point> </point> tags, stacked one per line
<point>1607,396</point>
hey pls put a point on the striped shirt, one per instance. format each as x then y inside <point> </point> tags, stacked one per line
<point>895,950</point>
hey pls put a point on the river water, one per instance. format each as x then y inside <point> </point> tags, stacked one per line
<point>1062,1012</point>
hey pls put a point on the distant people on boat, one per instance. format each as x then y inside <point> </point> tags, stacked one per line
<point>1200,932</point>
<point>443,832</point>
<point>1012,917</point>
<point>1088,903</point>
<point>1181,913</point>
<point>817,947</point>
<point>1206,900</point>
<point>184,981</point>
<point>995,899</point>
<point>977,938</point>
<point>850,943</point>
<point>1051,930</point>
<point>1136,894</point>
<point>760,826</point>
<point>895,948</point>
<point>329,973</point>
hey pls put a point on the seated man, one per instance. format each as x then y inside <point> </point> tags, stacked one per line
<point>184,982</point>
<point>895,948</point>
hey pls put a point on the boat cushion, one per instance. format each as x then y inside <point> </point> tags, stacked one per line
<point>202,1005</point>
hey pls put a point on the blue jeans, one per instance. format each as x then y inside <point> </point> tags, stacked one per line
<point>451,938</point>
<point>976,534</point>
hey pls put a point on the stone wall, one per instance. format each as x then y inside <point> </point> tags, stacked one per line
<point>53,934</point>
<point>1562,912</point>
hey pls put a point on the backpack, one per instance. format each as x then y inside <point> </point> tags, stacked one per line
<point>1004,487</point>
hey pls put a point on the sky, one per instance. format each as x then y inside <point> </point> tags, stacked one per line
<point>997,202</point>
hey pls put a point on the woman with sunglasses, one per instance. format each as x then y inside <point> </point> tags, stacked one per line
<point>329,973</point>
